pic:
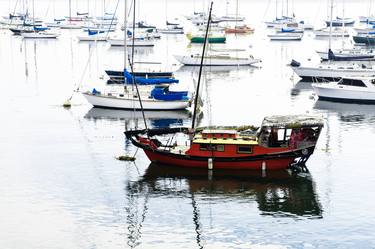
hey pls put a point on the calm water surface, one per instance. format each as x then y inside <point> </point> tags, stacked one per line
<point>61,186</point>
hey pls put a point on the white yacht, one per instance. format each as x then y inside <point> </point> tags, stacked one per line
<point>348,89</point>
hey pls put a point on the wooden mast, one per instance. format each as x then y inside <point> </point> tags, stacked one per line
<point>200,69</point>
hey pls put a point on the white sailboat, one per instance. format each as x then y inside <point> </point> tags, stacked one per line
<point>39,32</point>
<point>161,97</point>
<point>285,36</point>
<point>334,32</point>
<point>129,101</point>
<point>352,90</point>
<point>138,42</point>
<point>216,60</point>
<point>333,71</point>
<point>71,23</point>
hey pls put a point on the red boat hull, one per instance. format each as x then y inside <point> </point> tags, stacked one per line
<point>275,163</point>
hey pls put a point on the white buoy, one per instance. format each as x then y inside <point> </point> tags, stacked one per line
<point>264,168</point>
<point>210,164</point>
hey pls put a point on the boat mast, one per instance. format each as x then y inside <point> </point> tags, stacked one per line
<point>125,36</point>
<point>70,11</point>
<point>330,26</point>
<point>200,68</point>
<point>134,83</point>
<point>343,24</point>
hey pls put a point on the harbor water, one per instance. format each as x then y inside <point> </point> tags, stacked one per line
<point>62,187</point>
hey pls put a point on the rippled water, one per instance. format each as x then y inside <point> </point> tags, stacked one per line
<point>61,186</point>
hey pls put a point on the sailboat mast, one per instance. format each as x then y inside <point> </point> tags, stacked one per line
<point>343,23</point>
<point>330,26</point>
<point>200,68</point>
<point>70,11</point>
<point>33,16</point>
<point>125,36</point>
<point>276,11</point>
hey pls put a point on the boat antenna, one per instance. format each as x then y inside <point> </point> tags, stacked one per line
<point>200,68</point>
<point>134,83</point>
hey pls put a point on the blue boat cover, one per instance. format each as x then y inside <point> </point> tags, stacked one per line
<point>287,30</point>
<point>163,93</point>
<point>94,32</point>
<point>146,81</point>
<point>36,28</point>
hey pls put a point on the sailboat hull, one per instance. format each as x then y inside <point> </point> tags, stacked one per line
<point>216,61</point>
<point>126,103</point>
<point>249,163</point>
<point>309,73</point>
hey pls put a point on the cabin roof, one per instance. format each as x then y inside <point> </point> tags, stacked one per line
<point>217,131</point>
<point>225,141</point>
<point>293,121</point>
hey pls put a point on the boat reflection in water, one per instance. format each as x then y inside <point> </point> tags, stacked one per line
<point>157,119</point>
<point>360,114</point>
<point>278,193</point>
<point>301,86</point>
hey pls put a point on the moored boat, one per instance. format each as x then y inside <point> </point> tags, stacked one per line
<point>331,71</point>
<point>285,36</point>
<point>350,90</point>
<point>216,60</point>
<point>281,141</point>
<point>347,55</point>
<point>211,38</point>
<point>368,39</point>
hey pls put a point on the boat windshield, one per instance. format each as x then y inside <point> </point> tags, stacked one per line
<point>351,82</point>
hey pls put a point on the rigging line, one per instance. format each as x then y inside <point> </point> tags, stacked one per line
<point>200,68</point>
<point>113,16</point>
<point>132,70</point>
<point>265,12</point>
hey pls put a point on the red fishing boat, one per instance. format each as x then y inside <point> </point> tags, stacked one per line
<point>281,142</point>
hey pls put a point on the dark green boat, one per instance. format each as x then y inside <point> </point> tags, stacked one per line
<point>211,39</point>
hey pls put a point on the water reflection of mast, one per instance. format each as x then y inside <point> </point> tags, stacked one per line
<point>196,220</point>
<point>134,225</point>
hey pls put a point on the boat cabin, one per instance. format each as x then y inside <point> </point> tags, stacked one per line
<point>222,143</point>
<point>292,131</point>
<point>357,82</point>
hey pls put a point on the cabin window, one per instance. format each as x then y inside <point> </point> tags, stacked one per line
<point>352,82</point>
<point>220,147</point>
<point>209,147</point>
<point>244,149</point>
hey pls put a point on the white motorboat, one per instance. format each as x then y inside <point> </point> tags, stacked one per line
<point>130,101</point>
<point>336,32</point>
<point>356,90</point>
<point>332,71</point>
<point>216,60</point>
<point>286,36</point>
